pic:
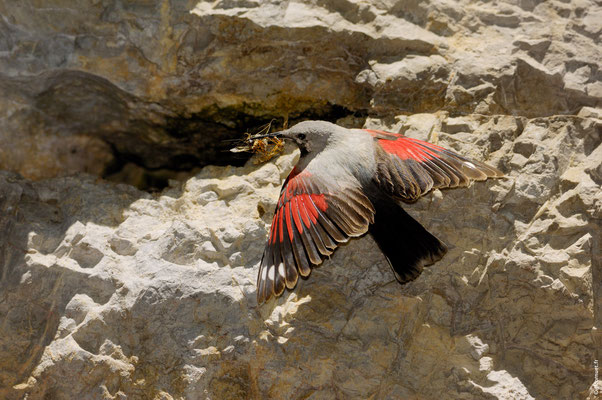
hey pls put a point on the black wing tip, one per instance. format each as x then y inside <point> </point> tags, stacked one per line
<point>490,171</point>
<point>265,293</point>
<point>498,173</point>
<point>272,295</point>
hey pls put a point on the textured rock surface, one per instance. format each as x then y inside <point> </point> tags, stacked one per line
<point>110,292</point>
<point>156,79</point>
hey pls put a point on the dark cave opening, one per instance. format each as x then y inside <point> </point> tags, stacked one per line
<point>199,140</point>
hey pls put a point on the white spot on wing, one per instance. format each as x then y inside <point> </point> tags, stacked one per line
<point>281,270</point>
<point>471,165</point>
<point>272,272</point>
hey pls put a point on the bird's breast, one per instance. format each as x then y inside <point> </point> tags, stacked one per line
<point>346,157</point>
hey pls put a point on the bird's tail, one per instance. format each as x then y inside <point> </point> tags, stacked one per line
<point>405,243</point>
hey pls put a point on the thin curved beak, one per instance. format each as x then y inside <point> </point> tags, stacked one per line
<point>280,134</point>
<point>269,135</point>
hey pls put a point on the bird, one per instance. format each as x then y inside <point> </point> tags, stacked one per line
<point>348,183</point>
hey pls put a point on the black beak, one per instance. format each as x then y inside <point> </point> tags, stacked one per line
<point>268,135</point>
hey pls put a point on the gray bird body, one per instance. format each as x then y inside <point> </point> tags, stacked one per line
<point>344,153</point>
<point>348,182</point>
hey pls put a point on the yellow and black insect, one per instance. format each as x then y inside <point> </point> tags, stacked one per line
<point>265,148</point>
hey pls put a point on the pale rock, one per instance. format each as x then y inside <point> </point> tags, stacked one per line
<point>594,89</point>
<point>592,22</point>
<point>123,247</point>
<point>595,390</point>
<point>421,126</point>
<point>590,112</point>
<point>485,364</point>
<point>170,308</point>
<point>505,387</point>
<point>107,291</point>
<point>459,124</point>
<point>478,347</point>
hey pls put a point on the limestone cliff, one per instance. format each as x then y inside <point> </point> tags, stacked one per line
<point>108,291</point>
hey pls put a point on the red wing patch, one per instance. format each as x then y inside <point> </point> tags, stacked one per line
<point>308,224</point>
<point>409,168</point>
<point>405,147</point>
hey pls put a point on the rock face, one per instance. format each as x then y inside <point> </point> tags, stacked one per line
<point>109,292</point>
<point>161,82</point>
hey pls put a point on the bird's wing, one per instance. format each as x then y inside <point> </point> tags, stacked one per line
<point>311,219</point>
<point>408,168</point>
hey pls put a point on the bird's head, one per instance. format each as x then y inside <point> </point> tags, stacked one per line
<point>310,136</point>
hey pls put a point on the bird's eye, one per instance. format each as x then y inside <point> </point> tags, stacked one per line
<point>301,136</point>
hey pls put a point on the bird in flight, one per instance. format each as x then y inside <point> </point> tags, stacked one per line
<point>347,183</point>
